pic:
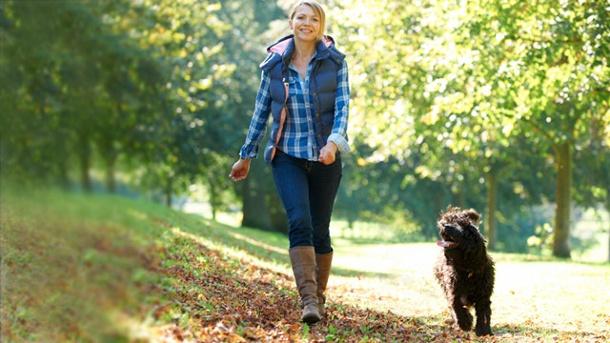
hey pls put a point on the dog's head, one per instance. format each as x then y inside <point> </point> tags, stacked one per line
<point>459,235</point>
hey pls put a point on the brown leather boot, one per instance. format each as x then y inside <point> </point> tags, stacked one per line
<point>323,263</point>
<point>303,260</point>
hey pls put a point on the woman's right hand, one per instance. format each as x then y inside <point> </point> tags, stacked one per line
<point>240,170</point>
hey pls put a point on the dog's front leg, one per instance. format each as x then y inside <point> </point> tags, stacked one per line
<point>483,311</point>
<point>461,314</point>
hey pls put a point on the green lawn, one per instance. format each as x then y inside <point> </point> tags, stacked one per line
<point>556,297</point>
<point>104,268</point>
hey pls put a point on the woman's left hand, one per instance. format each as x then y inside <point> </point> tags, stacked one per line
<point>327,153</point>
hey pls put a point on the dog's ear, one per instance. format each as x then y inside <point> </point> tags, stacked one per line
<point>474,251</point>
<point>474,234</point>
<point>473,216</point>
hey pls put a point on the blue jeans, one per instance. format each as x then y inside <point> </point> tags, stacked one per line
<point>308,191</point>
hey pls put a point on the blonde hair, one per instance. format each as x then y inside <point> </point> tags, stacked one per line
<point>317,9</point>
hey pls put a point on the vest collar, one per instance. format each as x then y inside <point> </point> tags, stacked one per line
<point>285,48</point>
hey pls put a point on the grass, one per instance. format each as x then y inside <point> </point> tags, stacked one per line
<point>554,296</point>
<point>79,267</point>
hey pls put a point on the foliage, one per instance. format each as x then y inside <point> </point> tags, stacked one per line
<point>452,103</point>
<point>150,88</point>
<point>469,90</point>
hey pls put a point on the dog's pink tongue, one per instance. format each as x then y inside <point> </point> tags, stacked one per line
<point>443,244</point>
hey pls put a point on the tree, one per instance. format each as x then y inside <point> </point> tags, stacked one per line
<point>473,79</point>
<point>555,57</point>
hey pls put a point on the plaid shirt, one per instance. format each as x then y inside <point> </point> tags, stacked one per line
<point>298,137</point>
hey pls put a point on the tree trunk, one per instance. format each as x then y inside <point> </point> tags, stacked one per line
<point>490,220</point>
<point>84,154</point>
<point>262,207</point>
<point>351,220</point>
<point>109,154</point>
<point>438,206</point>
<point>254,208</point>
<point>110,173</point>
<point>62,158</point>
<point>168,192</point>
<point>460,199</point>
<point>63,178</point>
<point>213,197</point>
<point>561,235</point>
<point>608,210</point>
<point>277,214</point>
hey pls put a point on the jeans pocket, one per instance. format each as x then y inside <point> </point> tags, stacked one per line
<point>280,157</point>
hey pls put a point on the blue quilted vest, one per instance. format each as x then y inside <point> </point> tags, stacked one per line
<point>322,85</point>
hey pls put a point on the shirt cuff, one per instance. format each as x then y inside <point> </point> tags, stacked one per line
<point>248,153</point>
<point>340,141</point>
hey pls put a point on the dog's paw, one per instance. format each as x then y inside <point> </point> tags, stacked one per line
<point>464,321</point>
<point>483,331</point>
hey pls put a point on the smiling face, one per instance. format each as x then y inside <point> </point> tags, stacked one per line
<point>307,23</point>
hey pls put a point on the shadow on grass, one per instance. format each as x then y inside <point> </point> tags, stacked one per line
<point>499,256</point>
<point>524,332</point>
<point>67,275</point>
<point>371,241</point>
<point>107,247</point>
<point>263,245</point>
<point>249,301</point>
<point>262,305</point>
<point>273,246</point>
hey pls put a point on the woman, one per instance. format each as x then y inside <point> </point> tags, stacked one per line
<point>305,87</point>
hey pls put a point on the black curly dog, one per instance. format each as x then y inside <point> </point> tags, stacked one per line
<point>464,270</point>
